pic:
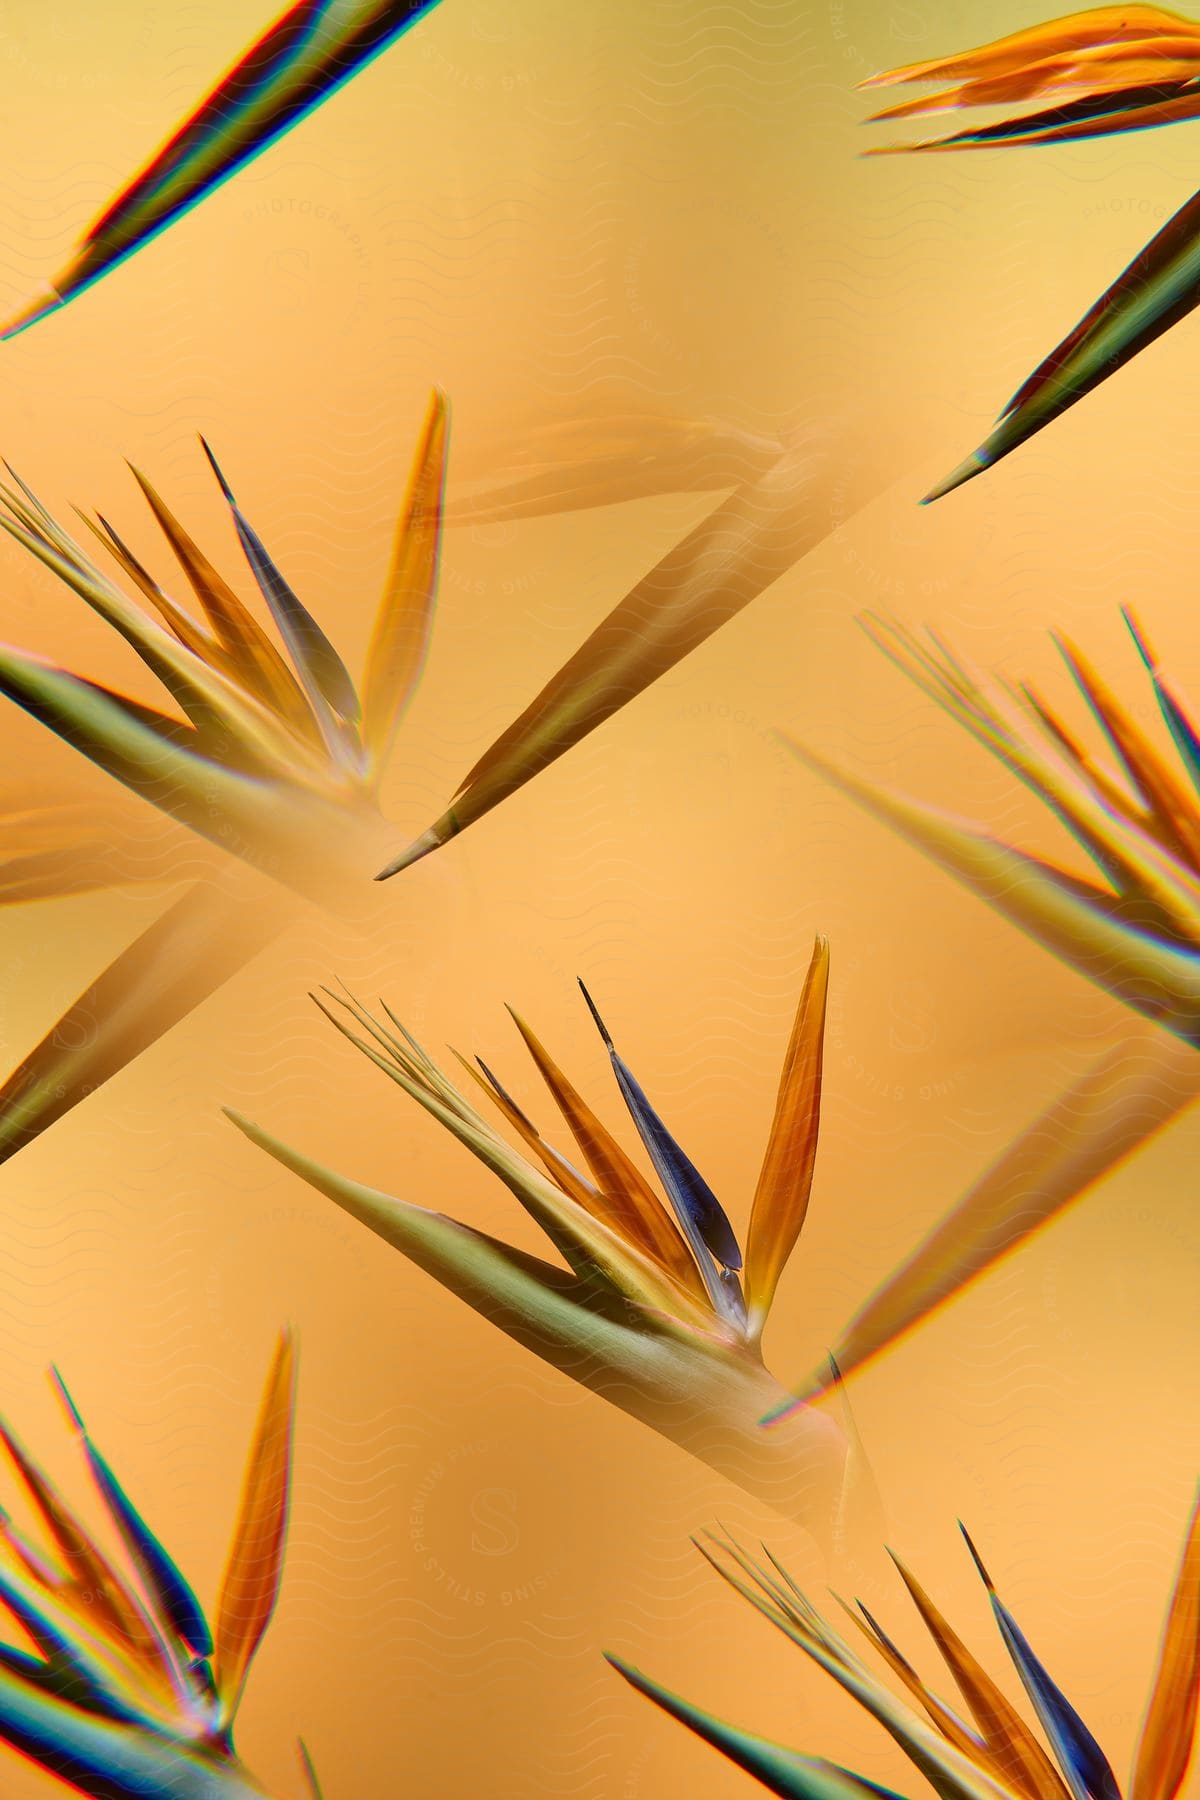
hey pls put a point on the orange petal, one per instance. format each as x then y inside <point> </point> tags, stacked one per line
<point>785,1180</point>
<point>1096,28</point>
<point>398,644</point>
<point>94,1589</point>
<point>632,1206</point>
<point>259,663</point>
<point>255,1566</point>
<point>1024,1765</point>
<point>1165,1747</point>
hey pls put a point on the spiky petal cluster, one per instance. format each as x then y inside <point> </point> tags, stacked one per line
<point>1136,930</point>
<point>1113,69</point>
<point>995,1754</point>
<point>273,758</point>
<point>272,744</point>
<point>276,757</point>
<point>657,1308</point>
<point>132,1693</point>
<point>310,51</point>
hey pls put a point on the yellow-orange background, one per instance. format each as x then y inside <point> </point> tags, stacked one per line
<point>550,209</point>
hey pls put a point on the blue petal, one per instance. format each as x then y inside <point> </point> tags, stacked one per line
<point>1084,1764</point>
<point>162,1576</point>
<point>317,662</point>
<point>698,1209</point>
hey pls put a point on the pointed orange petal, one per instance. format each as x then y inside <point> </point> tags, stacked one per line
<point>632,1206</point>
<point>1171,806</point>
<point>111,1606</point>
<point>1168,1732</point>
<point>255,1565</point>
<point>398,643</point>
<point>785,1180</point>
<point>191,634</point>
<point>1025,1766</point>
<point>947,1722</point>
<point>1101,26</point>
<point>556,1165</point>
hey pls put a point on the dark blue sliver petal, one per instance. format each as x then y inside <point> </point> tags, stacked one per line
<point>170,1590</point>
<point>698,1208</point>
<point>316,660</point>
<point>1083,1762</point>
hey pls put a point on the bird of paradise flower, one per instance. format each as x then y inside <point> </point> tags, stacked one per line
<point>995,1755</point>
<point>275,757</point>
<point>310,51</point>
<point>1112,69</point>
<point>1135,933</point>
<point>657,1309</point>
<point>132,1694</point>
<point>1137,938</point>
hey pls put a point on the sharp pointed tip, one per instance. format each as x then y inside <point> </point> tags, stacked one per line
<point>974,465</point>
<point>29,315</point>
<point>215,466</point>
<point>601,1027</point>
<point>420,847</point>
<point>976,1558</point>
<point>1140,640</point>
<point>64,1394</point>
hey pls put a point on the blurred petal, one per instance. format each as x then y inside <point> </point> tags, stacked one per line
<point>174,965</point>
<point>306,55</point>
<point>785,1181</point>
<point>1128,1095</point>
<point>574,464</point>
<point>115,1610</point>
<point>310,1774</point>
<point>252,1575</point>
<point>399,642</point>
<point>1169,1728</point>
<point>1096,28</point>
<point>164,1581</point>
<point>1094,931</point>
<point>719,568</point>
<point>1131,62</point>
